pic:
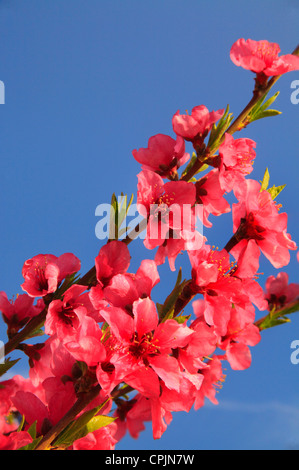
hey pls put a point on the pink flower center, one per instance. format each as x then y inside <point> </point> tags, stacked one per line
<point>245,160</point>
<point>162,212</point>
<point>224,267</point>
<point>267,52</point>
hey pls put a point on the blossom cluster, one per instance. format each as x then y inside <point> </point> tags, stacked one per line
<point>110,333</point>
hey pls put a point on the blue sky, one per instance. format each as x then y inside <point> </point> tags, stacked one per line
<point>86,82</point>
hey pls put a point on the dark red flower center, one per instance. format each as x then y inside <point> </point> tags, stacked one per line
<point>143,347</point>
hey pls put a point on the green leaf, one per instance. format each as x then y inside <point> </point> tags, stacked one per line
<point>21,424</point>
<point>98,422</point>
<point>168,315</point>
<point>267,113</point>
<point>182,318</point>
<point>263,104</point>
<point>125,206</point>
<point>219,129</point>
<point>7,365</point>
<point>118,214</point>
<point>266,179</point>
<point>271,322</point>
<point>261,108</point>
<point>85,424</point>
<point>37,332</point>
<point>275,190</point>
<point>113,227</point>
<point>190,164</point>
<point>275,317</point>
<point>32,430</point>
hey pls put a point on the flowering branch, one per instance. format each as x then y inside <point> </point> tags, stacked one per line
<point>105,335</point>
<point>203,155</point>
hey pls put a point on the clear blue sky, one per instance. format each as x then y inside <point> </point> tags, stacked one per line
<point>88,81</point>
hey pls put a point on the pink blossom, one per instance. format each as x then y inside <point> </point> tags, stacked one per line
<point>16,313</point>
<point>214,276</point>
<point>239,336</point>
<point>9,388</point>
<point>164,155</point>
<point>279,292</point>
<point>196,126</point>
<point>151,409</point>
<point>86,344</point>
<point>209,197</point>
<point>130,418</point>
<point>142,347</point>
<point>261,228</point>
<point>159,409</point>
<point>15,440</point>
<point>163,206</point>
<point>210,275</point>
<point>41,365</point>
<point>170,250</point>
<point>213,379</point>
<point>44,273</point>
<point>102,439</point>
<point>124,289</point>
<point>63,316</point>
<point>237,156</point>
<point>59,397</point>
<point>32,407</point>
<point>201,344</point>
<point>45,408</point>
<point>262,57</point>
<point>113,258</point>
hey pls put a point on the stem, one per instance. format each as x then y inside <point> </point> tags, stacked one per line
<point>237,237</point>
<point>33,324</point>
<point>276,315</point>
<point>135,232</point>
<point>89,278</point>
<point>186,296</point>
<point>202,154</point>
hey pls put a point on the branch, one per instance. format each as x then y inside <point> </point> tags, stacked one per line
<point>26,332</point>
<point>90,277</point>
<point>277,317</point>
<point>238,124</point>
